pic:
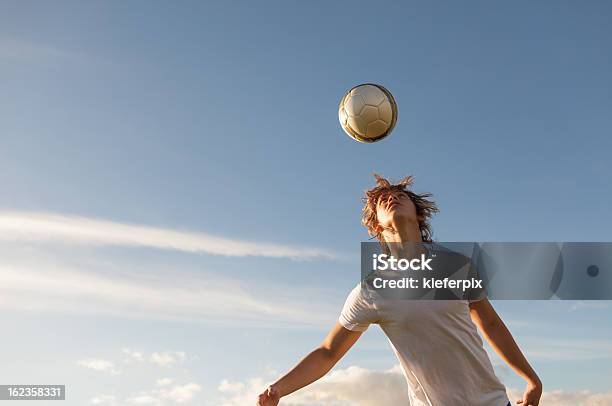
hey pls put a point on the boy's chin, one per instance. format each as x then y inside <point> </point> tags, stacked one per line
<point>402,218</point>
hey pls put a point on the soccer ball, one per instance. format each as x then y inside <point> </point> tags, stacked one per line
<point>367,112</point>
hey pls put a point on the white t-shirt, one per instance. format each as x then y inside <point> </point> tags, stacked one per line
<point>437,344</point>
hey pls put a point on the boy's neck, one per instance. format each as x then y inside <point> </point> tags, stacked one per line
<point>406,242</point>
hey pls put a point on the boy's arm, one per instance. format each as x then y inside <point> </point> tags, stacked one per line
<point>500,339</point>
<point>313,366</point>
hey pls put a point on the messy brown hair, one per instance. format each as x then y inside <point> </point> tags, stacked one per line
<point>425,208</point>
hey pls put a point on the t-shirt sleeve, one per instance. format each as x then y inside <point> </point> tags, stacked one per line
<point>476,299</point>
<point>478,293</point>
<point>358,311</point>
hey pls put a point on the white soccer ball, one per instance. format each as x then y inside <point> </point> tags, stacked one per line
<point>368,112</point>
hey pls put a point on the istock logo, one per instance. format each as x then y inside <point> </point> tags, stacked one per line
<point>384,262</point>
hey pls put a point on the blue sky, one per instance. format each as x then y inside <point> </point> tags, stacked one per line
<point>176,130</point>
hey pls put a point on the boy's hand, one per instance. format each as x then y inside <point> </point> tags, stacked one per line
<point>532,394</point>
<point>269,397</point>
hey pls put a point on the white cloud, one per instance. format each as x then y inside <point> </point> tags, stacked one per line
<point>56,228</point>
<point>181,393</point>
<point>590,304</point>
<point>167,358</point>
<point>104,400</point>
<point>40,285</point>
<point>144,398</point>
<point>345,387</point>
<point>164,359</point>
<point>166,390</point>
<point>135,356</point>
<point>558,349</point>
<point>164,381</point>
<point>99,365</point>
<point>25,50</point>
<point>48,278</point>
<point>230,387</point>
<point>568,398</point>
<point>356,386</point>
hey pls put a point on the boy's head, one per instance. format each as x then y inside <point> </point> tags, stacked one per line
<point>386,203</point>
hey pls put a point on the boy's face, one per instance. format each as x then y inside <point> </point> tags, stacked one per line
<point>394,207</point>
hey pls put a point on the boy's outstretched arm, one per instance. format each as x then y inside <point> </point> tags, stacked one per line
<point>313,366</point>
<point>500,338</point>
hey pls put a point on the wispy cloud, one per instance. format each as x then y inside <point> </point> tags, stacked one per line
<point>557,349</point>
<point>144,398</point>
<point>100,365</point>
<point>56,228</point>
<point>180,393</point>
<point>167,359</point>
<point>590,304</point>
<point>175,394</point>
<point>164,381</point>
<point>42,53</point>
<point>47,287</point>
<point>104,400</point>
<point>132,355</point>
<point>26,50</point>
<point>165,391</point>
<point>164,359</point>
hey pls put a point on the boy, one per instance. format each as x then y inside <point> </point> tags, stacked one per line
<point>436,341</point>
